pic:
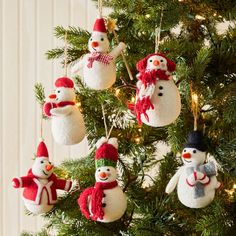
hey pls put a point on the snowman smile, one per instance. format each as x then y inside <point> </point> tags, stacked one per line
<point>45,173</point>
<point>187,161</point>
<point>103,178</point>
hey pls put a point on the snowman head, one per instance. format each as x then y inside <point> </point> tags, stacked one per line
<point>193,156</point>
<point>156,61</point>
<point>42,167</point>
<point>194,152</point>
<point>106,158</point>
<point>98,41</point>
<point>105,174</point>
<point>64,90</point>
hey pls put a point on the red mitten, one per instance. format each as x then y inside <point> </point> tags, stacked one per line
<point>47,108</point>
<point>16,183</point>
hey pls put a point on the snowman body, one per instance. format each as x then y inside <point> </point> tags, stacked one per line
<point>167,104</point>
<point>115,204</point>
<point>43,207</point>
<point>68,129</point>
<point>100,76</point>
<point>186,192</point>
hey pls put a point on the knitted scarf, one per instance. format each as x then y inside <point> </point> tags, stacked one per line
<point>97,195</point>
<point>98,56</point>
<point>65,103</point>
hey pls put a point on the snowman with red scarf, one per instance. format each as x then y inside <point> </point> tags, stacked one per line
<point>40,184</point>
<point>196,179</point>
<point>98,66</point>
<point>68,126</point>
<point>105,202</point>
<point>157,100</point>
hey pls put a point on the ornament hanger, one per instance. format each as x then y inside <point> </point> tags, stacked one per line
<point>158,32</point>
<point>194,106</point>
<point>66,54</point>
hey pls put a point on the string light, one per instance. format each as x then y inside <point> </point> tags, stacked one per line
<point>78,104</point>
<point>133,99</point>
<point>117,92</point>
<point>198,17</point>
<point>140,130</point>
<point>137,140</point>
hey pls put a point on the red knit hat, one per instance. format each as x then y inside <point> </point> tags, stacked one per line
<point>42,150</point>
<point>99,25</point>
<point>64,82</point>
<point>106,153</point>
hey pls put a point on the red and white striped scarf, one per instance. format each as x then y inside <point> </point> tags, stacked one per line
<point>101,57</point>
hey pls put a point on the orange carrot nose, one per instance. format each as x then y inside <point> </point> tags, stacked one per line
<point>103,175</point>
<point>52,96</point>
<point>49,167</point>
<point>186,155</point>
<point>156,63</point>
<point>94,44</point>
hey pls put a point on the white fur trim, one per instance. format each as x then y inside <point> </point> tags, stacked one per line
<point>21,183</point>
<point>101,141</point>
<point>67,186</point>
<point>113,142</point>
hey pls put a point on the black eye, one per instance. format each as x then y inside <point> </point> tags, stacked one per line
<point>99,170</point>
<point>160,87</point>
<point>108,169</point>
<point>160,94</point>
<point>91,39</point>
<point>50,162</point>
<point>58,91</point>
<point>150,60</point>
<point>194,151</point>
<point>161,60</point>
<point>102,39</point>
<point>184,150</point>
<point>41,162</point>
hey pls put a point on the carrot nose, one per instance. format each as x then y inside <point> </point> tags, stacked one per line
<point>52,96</point>
<point>49,167</point>
<point>156,63</point>
<point>94,44</point>
<point>186,155</point>
<point>103,175</point>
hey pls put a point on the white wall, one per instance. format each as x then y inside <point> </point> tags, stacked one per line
<point>26,33</point>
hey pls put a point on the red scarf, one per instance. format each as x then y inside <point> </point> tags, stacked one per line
<point>65,103</point>
<point>98,56</point>
<point>97,195</point>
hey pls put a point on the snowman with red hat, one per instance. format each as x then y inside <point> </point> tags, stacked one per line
<point>40,184</point>
<point>105,202</point>
<point>196,180</point>
<point>99,69</point>
<point>67,121</point>
<point>157,99</point>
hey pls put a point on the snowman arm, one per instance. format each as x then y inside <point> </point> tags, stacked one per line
<point>83,201</point>
<point>117,50</point>
<point>63,184</point>
<point>77,65</point>
<point>62,111</point>
<point>22,182</point>
<point>173,181</point>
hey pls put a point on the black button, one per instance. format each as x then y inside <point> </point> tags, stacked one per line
<point>160,87</point>
<point>104,204</point>
<point>160,94</point>
<point>104,195</point>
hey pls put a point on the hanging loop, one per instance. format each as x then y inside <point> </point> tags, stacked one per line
<point>100,8</point>
<point>194,106</point>
<point>66,54</point>
<point>158,32</point>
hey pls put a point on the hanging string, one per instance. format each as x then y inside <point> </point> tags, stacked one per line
<point>100,8</point>
<point>195,106</point>
<point>158,32</point>
<point>115,120</point>
<point>41,124</point>
<point>66,54</point>
<point>104,120</point>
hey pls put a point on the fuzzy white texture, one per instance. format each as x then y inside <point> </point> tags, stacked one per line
<point>115,199</point>
<point>186,192</point>
<point>43,207</point>
<point>166,107</point>
<point>68,126</point>
<point>100,76</point>
<point>39,168</point>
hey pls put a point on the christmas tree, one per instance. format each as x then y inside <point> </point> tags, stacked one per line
<point>205,76</point>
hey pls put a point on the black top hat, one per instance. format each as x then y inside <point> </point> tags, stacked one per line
<point>196,140</point>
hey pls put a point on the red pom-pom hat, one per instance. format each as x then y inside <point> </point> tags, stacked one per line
<point>64,82</point>
<point>107,153</point>
<point>99,26</point>
<point>42,150</point>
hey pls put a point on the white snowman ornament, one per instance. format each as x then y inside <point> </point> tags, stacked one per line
<point>67,126</point>
<point>157,100</point>
<point>105,202</point>
<point>40,184</point>
<point>196,180</point>
<point>99,69</point>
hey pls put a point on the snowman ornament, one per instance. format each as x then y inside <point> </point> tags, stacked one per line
<point>196,180</point>
<point>105,202</point>
<point>99,69</point>
<point>40,184</point>
<point>67,126</point>
<point>157,99</point>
